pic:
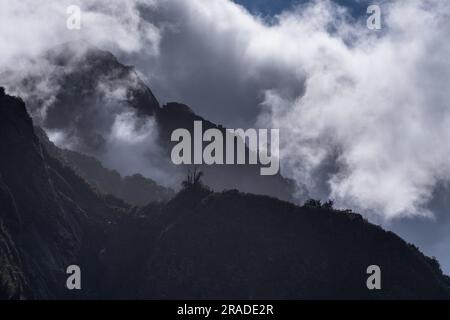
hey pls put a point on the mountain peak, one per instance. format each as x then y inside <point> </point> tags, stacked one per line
<point>91,69</point>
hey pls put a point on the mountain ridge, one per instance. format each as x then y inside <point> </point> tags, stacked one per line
<point>201,244</point>
<point>90,81</point>
<point>135,189</point>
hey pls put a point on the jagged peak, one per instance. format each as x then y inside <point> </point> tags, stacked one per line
<point>178,106</point>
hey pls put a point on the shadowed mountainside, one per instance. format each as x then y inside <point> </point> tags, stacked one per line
<point>136,189</point>
<point>50,217</point>
<point>200,244</point>
<point>91,84</point>
<point>232,245</point>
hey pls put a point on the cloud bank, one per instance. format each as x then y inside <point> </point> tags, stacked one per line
<point>27,28</point>
<point>377,106</point>
<point>364,114</point>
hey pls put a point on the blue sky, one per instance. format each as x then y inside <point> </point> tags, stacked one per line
<point>270,7</point>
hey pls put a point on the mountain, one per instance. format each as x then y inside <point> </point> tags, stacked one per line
<point>200,244</point>
<point>231,245</point>
<point>136,189</point>
<point>90,67</point>
<point>89,87</point>
<point>246,178</point>
<point>50,217</point>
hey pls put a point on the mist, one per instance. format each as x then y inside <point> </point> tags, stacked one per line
<point>363,115</point>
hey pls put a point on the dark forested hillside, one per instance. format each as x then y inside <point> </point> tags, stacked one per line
<point>200,244</point>
<point>49,218</point>
<point>232,245</point>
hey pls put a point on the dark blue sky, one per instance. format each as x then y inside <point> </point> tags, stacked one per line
<point>270,7</point>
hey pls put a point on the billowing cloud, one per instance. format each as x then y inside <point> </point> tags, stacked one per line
<point>82,106</point>
<point>30,27</point>
<point>364,115</point>
<point>376,105</point>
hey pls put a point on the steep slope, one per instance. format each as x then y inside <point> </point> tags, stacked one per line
<point>200,244</point>
<point>246,178</point>
<point>88,84</point>
<point>136,189</point>
<point>50,218</point>
<point>81,90</point>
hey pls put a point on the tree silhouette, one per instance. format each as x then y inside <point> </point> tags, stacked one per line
<point>193,179</point>
<point>313,203</point>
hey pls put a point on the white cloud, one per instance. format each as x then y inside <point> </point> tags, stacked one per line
<point>27,28</point>
<point>373,104</point>
<point>365,115</point>
<point>382,103</point>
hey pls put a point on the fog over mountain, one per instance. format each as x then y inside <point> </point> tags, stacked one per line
<point>364,115</point>
<point>199,245</point>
